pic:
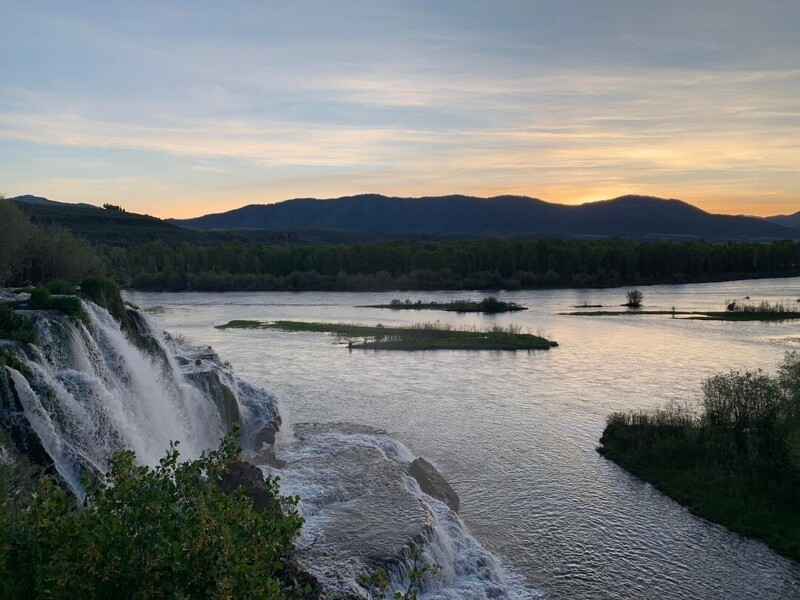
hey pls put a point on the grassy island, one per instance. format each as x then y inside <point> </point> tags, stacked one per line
<point>735,311</point>
<point>735,460</point>
<point>423,336</point>
<point>488,305</point>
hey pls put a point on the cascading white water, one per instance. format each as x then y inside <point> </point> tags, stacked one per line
<point>88,390</point>
<point>363,511</point>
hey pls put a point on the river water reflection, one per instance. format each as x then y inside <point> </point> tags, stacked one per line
<point>515,433</point>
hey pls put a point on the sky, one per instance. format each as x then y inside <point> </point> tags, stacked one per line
<point>179,109</point>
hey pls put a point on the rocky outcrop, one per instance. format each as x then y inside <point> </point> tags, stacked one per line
<point>432,482</point>
<point>14,422</point>
<point>251,479</point>
<point>211,384</point>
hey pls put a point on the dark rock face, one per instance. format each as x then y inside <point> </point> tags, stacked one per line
<point>133,323</point>
<point>250,477</point>
<point>432,482</point>
<point>14,422</point>
<point>210,383</point>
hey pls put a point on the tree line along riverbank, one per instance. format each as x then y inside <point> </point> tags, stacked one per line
<point>33,254</point>
<point>473,264</point>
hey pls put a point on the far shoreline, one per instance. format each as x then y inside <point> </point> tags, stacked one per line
<point>738,278</point>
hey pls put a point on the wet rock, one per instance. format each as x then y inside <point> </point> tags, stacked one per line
<point>210,383</point>
<point>432,482</point>
<point>361,514</point>
<point>250,477</point>
<point>14,422</point>
<point>265,436</point>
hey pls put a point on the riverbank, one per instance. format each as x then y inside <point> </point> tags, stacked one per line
<point>736,462</point>
<point>423,336</point>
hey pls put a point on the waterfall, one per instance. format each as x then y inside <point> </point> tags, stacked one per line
<point>91,387</point>
<point>88,388</point>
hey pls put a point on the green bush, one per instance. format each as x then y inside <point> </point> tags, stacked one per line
<point>42,299</point>
<point>69,305</point>
<point>167,532</point>
<point>59,286</point>
<point>15,327</point>
<point>101,291</point>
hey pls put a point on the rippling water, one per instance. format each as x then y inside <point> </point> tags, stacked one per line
<point>515,433</point>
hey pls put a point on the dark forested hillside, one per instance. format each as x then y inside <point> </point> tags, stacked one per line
<point>792,220</point>
<point>507,216</point>
<point>474,264</point>
<point>119,228</point>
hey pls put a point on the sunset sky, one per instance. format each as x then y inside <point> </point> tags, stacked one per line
<point>184,108</point>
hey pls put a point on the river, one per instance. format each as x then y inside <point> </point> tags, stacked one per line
<point>515,433</point>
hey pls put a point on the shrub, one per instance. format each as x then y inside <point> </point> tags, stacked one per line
<point>101,291</point>
<point>147,533</point>
<point>59,286</point>
<point>634,298</point>
<point>740,400</point>
<point>491,304</point>
<point>69,305</point>
<point>42,299</point>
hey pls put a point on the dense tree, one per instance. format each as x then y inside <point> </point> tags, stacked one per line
<point>472,264</point>
<point>33,255</point>
<point>15,235</point>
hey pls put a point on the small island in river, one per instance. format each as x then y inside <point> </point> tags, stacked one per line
<point>735,311</point>
<point>487,305</point>
<point>421,336</point>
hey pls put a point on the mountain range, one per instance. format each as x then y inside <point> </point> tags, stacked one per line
<point>372,217</point>
<point>517,216</point>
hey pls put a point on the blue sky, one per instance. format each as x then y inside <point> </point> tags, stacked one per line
<point>184,108</point>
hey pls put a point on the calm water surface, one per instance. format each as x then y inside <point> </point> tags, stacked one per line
<point>515,433</point>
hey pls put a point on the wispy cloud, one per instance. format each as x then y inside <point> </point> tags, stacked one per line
<point>196,104</point>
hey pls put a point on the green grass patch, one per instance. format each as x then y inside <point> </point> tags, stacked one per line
<point>693,315</point>
<point>625,313</point>
<point>746,316</point>
<point>101,291</point>
<point>16,327</point>
<point>752,510</point>
<point>60,287</point>
<point>488,305</point>
<point>42,299</point>
<point>424,336</point>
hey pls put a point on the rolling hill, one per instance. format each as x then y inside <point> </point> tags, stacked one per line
<point>116,228</point>
<point>639,217</point>
<point>792,220</point>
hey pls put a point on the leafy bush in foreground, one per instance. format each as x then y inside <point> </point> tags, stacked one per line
<point>145,533</point>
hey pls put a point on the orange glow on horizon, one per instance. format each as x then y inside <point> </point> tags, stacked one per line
<point>194,205</point>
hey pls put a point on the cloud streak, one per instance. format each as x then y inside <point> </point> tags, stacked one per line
<point>260,105</point>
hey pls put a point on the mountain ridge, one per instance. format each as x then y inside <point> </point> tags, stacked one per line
<point>792,220</point>
<point>426,218</point>
<point>507,215</point>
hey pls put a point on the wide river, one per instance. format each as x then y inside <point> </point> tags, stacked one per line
<point>515,433</point>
